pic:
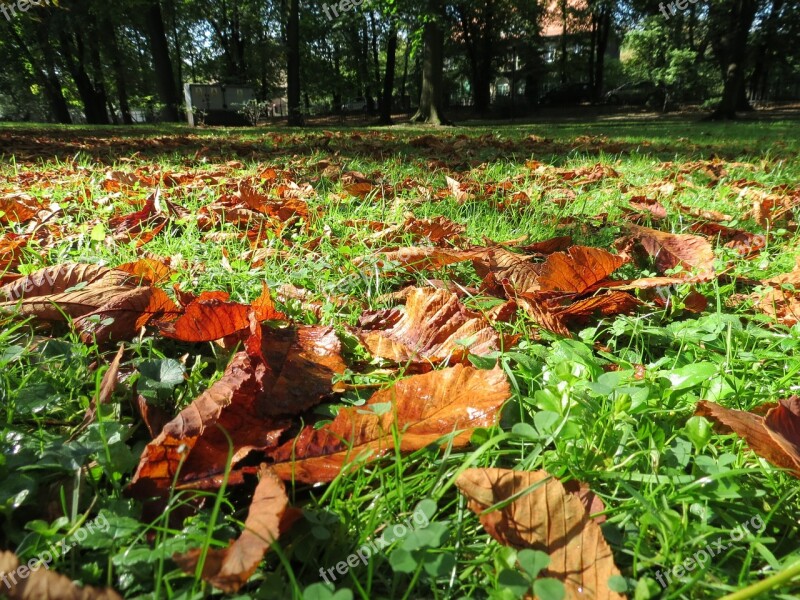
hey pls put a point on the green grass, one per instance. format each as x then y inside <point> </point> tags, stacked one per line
<point>578,410</point>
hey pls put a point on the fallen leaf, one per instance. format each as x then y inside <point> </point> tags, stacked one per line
<point>743,242</point>
<point>434,327</point>
<point>502,264</point>
<point>212,316</point>
<point>577,270</point>
<point>422,258</point>
<point>544,516</point>
<point>421,408</point>
<point>282,373</point>
<point>775,436</point>
<point>44,584</point>
<point>670,250</point>
<point>229,569</point>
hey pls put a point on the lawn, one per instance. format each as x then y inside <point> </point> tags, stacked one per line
<point>621,388</point>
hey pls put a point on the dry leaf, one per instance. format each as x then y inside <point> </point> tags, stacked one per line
<point>229,569</point>
<point>670,250</point>
<point>547,518</point>
<point>422,408</point>
<point>434,326</point>
<point>775,436</point>
<point>43,584</point>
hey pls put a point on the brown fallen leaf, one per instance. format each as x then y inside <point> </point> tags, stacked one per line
<point>577,270</point>
<point>44,584</point>
<point>558,312</point>
<point>434,327</point>
<point>108,308</point>
<point>229,569</point>
<point>107,386</point>
<point>14,210</point>
<point>774,436</point>
<point>521,273</point>
<point>648,206</point>
<point>148,270</point>
<point>282,373</point>
<point>59,278</point>
<point>556,244</point>
<point>743,242</point>
<point>422,408</point>
<point>422,258</point>
<point>544,517</point>
<point>212,316</point>
<point>669,250</point>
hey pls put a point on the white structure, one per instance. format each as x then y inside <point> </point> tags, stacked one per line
<point>217,103</point>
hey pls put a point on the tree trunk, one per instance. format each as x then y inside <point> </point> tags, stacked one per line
<point>406,57</point>
<point>388,76</point>
<point>119,72</point>
<point>94,105</point>
<point>47,78</point>
<point>564,12</point>
<point>603,32</point>
<point>430,99</point>
<point>293,64</point>
<point>162,63</point>
<point>765,52</point>
<point>733,51</point>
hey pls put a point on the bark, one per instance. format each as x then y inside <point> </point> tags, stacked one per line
<point>119,72</point>
<point>732,50</point>
<point>564,12</point>
<point>478,31</point>
<point>388,76</point>
<point>293,64</point>
<point>375,56</point>
<point>603,32</point>
<point>404,80</point>
<point>430,100</point>
<point>94,105</point>
<point>765,53</point>
<point>162,63</point>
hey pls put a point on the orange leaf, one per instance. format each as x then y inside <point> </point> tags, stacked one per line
<point>283,372</point>
<point>577,270</point>
<point>431,327</point>
<point>670,250</point>
<point>422,408</point>
<point>211,316</point>
<point>148,270</point>
<point>12,210</point>
<point>230,568</point>
<point>775,437</point>
<point>544,517</point>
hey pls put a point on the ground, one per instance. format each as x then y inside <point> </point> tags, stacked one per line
<point>609,402</point>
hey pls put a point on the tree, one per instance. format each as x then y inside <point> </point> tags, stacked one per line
<point>162,63</point>
<point>388,77</point>
<point>430,99</point>
<point>731,22</point>
<point>293,64</point>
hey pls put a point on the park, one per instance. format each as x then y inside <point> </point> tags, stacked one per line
<point>406,299</point>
